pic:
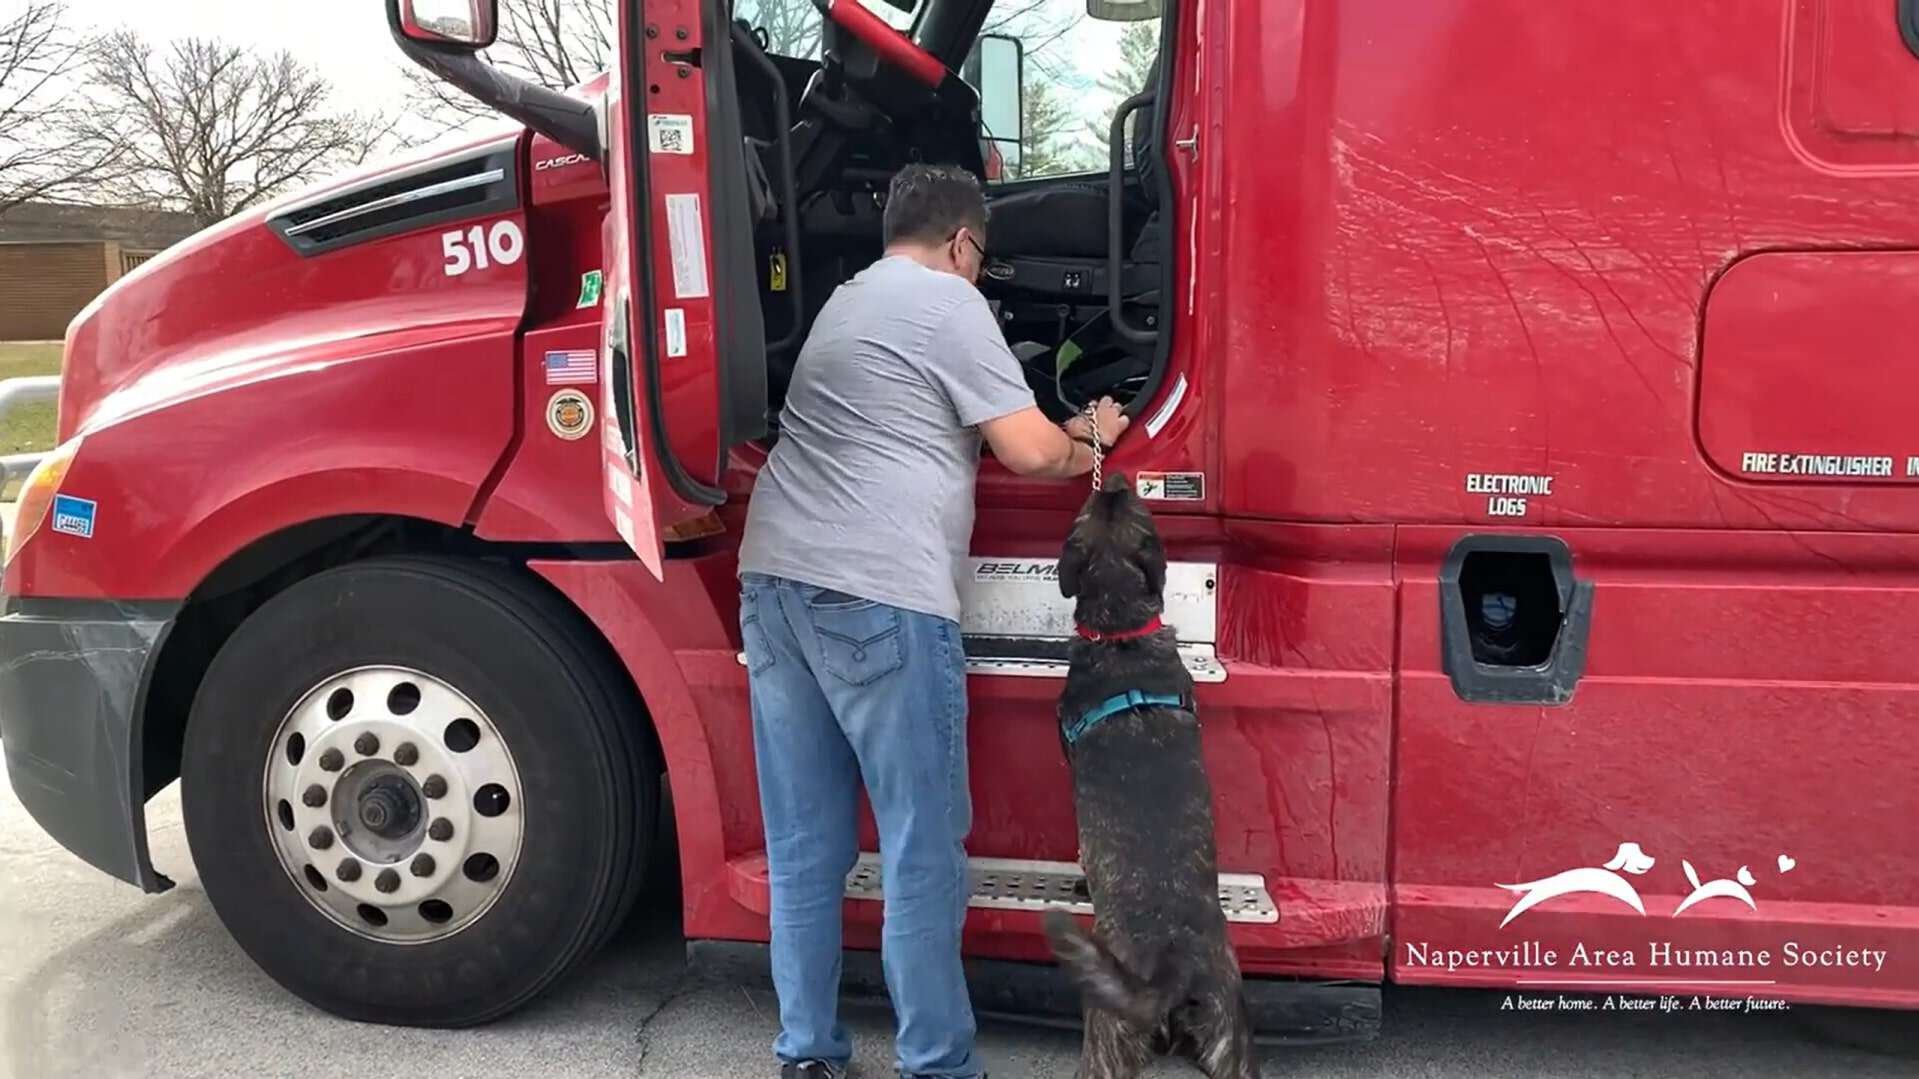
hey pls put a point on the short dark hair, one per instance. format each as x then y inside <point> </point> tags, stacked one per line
<point>929,203</point>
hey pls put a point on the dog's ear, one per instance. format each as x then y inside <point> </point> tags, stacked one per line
<point>1072,562</point>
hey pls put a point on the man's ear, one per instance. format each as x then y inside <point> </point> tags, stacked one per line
<point>1072,561</point>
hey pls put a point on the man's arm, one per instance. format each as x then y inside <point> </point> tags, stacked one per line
<point>983,381</point>
<point>1029,444</point>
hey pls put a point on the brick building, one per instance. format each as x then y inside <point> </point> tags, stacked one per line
<point>55,259</point>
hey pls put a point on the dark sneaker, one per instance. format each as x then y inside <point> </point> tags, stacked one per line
<point>812,1069</point>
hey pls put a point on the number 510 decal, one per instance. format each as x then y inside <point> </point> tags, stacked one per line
<point>469,250</point>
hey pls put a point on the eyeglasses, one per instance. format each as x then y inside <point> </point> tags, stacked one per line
<point>976,246</point>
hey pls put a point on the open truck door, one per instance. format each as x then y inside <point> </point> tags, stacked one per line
<point>683,346</point>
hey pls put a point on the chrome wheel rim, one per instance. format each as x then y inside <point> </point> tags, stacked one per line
<point>394,804</point>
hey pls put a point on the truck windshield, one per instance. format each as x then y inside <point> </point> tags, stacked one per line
<point>793,26</point>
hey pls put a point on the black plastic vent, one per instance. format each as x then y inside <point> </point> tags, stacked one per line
<point>476,184</point>
<point>1514,620</point>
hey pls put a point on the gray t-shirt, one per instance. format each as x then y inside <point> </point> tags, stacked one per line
<point>869,490</point>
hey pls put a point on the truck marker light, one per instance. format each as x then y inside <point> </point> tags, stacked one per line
<point>707,524</point>
<point>37,494</point>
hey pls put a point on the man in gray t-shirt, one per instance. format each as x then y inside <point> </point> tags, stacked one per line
<point>849,613</point>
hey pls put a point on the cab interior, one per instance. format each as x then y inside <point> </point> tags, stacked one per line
<point>1077,288</point>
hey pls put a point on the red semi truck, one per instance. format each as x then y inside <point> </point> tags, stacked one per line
<point>1524,391</point>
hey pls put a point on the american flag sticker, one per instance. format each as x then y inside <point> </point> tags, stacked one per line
<point>575,366</point>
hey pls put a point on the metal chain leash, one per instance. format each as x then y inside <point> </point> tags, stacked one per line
<point>1099,452</point>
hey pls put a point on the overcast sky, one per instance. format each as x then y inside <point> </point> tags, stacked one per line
<point>345,39</point>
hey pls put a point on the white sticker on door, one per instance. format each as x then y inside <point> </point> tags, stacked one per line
<point>675,332</point>
<point>686,235</point>
<point>670,133</point>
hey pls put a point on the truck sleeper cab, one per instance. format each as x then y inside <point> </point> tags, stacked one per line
<point>1537,491</point>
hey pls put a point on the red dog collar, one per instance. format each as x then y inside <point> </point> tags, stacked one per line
<point>1121,635</point>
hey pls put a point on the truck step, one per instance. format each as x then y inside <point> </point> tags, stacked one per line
<point>1009,895</point>
<point>1015,884</point>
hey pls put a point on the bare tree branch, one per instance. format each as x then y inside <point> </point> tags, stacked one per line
<point>44,152</point>
<point>557,44</point>
<point>213,129</point>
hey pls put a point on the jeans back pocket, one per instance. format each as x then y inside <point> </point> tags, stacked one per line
<point>859,639</point>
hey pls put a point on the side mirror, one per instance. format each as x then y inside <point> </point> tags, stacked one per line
<point>998,69</point>
<point>1122,10</point>
<point>469,24</point>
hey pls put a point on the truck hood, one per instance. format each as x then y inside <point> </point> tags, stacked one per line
<point>238,302</point>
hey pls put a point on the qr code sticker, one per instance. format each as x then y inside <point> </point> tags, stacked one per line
<point>672,133</point>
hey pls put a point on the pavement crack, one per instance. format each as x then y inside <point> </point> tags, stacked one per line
<point>681,986</point>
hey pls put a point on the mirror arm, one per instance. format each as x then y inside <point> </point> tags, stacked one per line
<point>571,122</point>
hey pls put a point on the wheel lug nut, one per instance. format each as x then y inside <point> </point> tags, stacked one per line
<point>387,881</point>
<point>406,755</point>
<point>423,865</point>
<point>441,829</point>
<point>349,871</point>
<point>366,745</point>
<point>332,760</point>
<point>321,839</point>
<point>314,796</point>
<point>434,787</point>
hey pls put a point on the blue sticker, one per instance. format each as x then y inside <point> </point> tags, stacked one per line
<point>73,516</point>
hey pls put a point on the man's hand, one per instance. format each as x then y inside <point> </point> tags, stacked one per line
<point>1031,446</point>
<point>1111,424</point>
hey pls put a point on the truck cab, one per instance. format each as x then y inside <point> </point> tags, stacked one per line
<point>1519,390</point>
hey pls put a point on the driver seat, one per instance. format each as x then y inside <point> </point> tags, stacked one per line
<point>1052,237</point>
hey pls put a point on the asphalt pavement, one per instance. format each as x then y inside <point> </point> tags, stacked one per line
<point>99,981</point>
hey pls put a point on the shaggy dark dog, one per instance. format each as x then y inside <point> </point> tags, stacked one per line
<point>1156,974</point>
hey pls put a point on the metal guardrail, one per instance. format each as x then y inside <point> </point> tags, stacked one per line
<point>22,391</point>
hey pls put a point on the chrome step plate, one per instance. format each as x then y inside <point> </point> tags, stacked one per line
<point>1199,659</point>
<point>1015,884</point>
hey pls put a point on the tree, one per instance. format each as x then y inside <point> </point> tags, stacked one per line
<point>213,129</point>
<point>792,26</point>
<point>1046,126</point>
<point>560,44</point>
<point>43,152</point>
<point>553,43</point>
<point>1138,48</point>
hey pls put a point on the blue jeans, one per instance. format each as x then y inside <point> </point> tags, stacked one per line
<point>847,691</point>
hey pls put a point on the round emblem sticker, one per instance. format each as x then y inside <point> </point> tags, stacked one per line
<point>569,414</point>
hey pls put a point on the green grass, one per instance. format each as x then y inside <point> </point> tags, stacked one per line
<point>28,428</point>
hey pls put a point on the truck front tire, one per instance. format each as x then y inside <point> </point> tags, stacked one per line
<point>417,791</point>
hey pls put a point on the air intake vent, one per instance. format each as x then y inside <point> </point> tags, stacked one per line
<point>477,184</point>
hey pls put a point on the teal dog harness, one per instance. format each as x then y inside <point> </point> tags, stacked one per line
<point>1112,706</point>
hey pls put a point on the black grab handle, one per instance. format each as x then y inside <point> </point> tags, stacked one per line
<point>1115,217</point>
<point>789,196</point>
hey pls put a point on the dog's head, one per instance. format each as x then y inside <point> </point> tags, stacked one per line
<point>1114,565</point>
